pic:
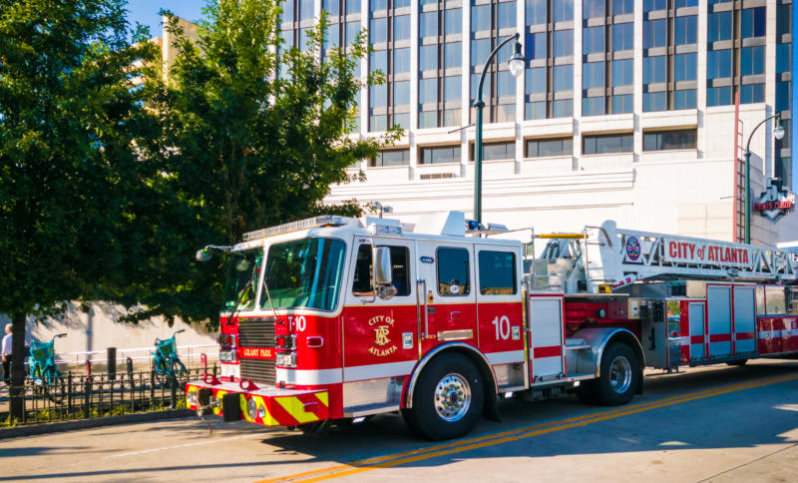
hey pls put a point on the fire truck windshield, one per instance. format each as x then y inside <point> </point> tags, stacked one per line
<point>304,273</point>
<point>242,280</point>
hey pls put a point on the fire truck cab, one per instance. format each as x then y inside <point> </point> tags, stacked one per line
<point>333,318</point>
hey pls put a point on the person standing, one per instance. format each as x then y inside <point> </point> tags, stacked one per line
<point>5,350</point>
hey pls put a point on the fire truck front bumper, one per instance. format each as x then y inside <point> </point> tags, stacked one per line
<point>268,406</point>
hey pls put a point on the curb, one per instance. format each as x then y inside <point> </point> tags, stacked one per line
<point>46,428</point>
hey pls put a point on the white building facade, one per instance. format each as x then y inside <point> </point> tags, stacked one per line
<point>625,111</point>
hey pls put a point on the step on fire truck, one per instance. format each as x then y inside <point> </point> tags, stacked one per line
<point>331,318</point>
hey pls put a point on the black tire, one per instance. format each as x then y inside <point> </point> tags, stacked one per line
<point>620,376</point>
<point>586,392</point>
<point>448,398</point>
<point>738,362</point>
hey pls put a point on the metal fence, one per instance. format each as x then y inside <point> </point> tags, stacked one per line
<point>84,396</point>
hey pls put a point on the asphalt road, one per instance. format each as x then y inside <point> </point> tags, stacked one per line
<point>718,423</point>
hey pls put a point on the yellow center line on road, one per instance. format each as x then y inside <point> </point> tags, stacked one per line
<point>434,451</point>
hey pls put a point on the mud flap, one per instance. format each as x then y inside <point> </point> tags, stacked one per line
<point>490,410</point>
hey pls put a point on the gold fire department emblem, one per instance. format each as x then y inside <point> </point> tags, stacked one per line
<point>381,325</point>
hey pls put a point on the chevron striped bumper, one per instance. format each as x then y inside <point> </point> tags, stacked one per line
<point>266,406</point>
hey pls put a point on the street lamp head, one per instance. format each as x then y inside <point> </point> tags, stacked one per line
<point>516,62</point>
<point>778,133</point>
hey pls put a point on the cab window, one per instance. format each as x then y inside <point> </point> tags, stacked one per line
<point>496,273</point>
<point>400,271</point>
<point>453,275</point>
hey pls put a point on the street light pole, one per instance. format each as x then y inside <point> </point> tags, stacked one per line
<point>778,133</point>
<point>516,68</point>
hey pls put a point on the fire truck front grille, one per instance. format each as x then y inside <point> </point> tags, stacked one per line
<point>258,370</point>
<point>256,332</point>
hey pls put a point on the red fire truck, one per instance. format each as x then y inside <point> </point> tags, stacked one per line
<point>332,318</point>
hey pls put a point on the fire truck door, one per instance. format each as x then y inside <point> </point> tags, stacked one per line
<point>499,309</point>
<point>719,319</point>
<point>380,334</point>
<point>448,307</point>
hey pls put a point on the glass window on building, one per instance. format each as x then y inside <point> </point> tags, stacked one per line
<point>453,21</point>
<point>378,30</point>
<point>684,67</point>
<point>401,93</point>
<point>719,96</point>
<point>428,57</point>
<point>593,106</point>
<point>452,88</point>
<point>655,101</point>
<point>480,50</point>
<point>684,99</point>
<point>428,90</point>
<point>495,151</point>
<point>667,140</point>
<point>378,61</point>
<point>428,24</point>
<point>607,143</point>
<point>331,7</point>
<point>480,17</point>
<point>506,15</point>
<point>535,81</point>
<point>783,57</point>
<point>752,93</point>
<point>752,60</point>
<point>563,78</point>
<point>439,154</point>
<point>305,9</point>
<point>623,37</point>
<point>542,148</point>
<point>563,43</point>
<point>593,40</point>
<point>352,6</point>
<point>352,29</point>
<point>623,104</point>
<point>535,110</point>
<point>592,8</point>
<point>378,96</point>
<point>782,96</point>
<point>288,10</point>
<point>592,75</point>
<point>391,157</point>
<point>536,12</point>
<point>653,5</point>
<point>719,26</point>
<point>622,72</point>
<point>452,55</point>
<point>401,27</point>
<point>562,108</point>
<point>505,84</point>
<point>752,22</point>
<point>654,33</point>
<point>378,122</point>
<point>562,10</point>
<point>685,3</point>
<point>686,30</point>
<point>535,47</point>
<point>401,61</point>
<point>621,7</point>
<point>719,64</point>
<point>654,69</point>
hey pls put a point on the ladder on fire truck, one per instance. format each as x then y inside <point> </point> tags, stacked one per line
<point>604,258</point>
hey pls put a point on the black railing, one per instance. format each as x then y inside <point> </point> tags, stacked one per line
<point>85,396</point>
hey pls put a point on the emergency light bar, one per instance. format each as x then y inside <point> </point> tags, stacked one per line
<point>315,222</point>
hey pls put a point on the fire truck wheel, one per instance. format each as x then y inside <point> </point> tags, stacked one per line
<point>738,362</point>
<point>448,398</point>
<point>620,376</point>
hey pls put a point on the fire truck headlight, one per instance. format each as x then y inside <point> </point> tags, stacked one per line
<point>215,402</point>
<point>252,408</point>
<point>191,398</point>
<point>227,356</point>
<point>285,359</point>
<point>261,411</point>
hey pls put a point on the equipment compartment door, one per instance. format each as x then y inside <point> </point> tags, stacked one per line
<point>744,320</point>
<point>719,320</point>
<point>546,337</point>
<point>697,335</point>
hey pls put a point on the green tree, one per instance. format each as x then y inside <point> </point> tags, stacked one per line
<point>74,173</point>
<point>256,134</point>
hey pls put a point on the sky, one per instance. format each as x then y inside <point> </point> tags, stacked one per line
<point>145,12</point>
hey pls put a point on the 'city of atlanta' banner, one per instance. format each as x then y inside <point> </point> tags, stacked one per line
<point>718,254</point>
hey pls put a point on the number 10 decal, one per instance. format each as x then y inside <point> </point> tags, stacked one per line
<point>502,326</point>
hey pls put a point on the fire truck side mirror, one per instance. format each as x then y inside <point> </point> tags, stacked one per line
<point>382,266</point>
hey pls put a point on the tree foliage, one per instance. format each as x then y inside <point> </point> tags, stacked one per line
<point>256,133</point>
<point>71,129</point>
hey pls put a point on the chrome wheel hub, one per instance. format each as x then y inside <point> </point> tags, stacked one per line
<point>620,374</point>
<point>452,397</point>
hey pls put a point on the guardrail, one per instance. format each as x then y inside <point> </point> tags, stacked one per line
<point>86,396</point>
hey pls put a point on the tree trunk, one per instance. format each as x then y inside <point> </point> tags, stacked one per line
<point>17,389</point>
